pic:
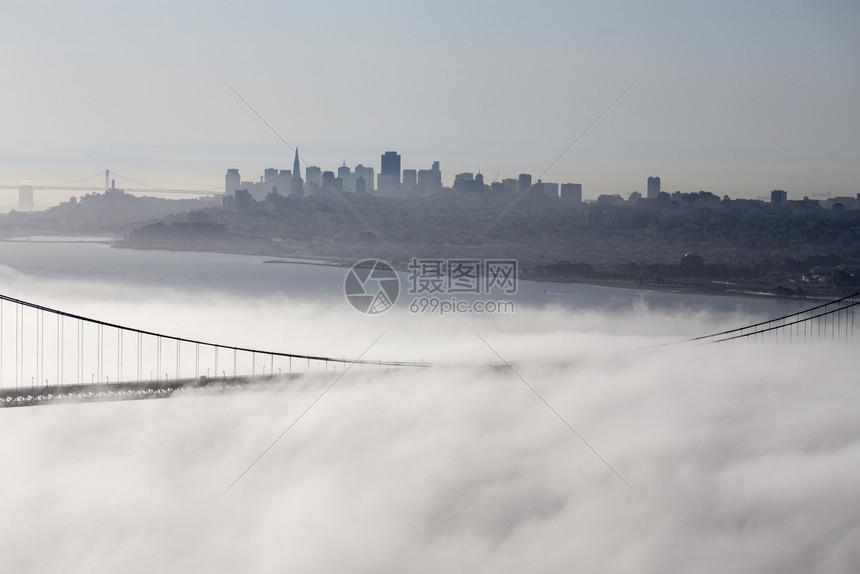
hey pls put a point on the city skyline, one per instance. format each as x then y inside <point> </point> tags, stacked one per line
<point>731,98</point>
<point>316,179</point>
<point>394,181</point>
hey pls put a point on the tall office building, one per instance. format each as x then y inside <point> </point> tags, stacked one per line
<point>525,181</point>
<point>328,178</point>
<point>778,197</point>
<point>296,187</point>
<point>479,182</point>
<point>365,173</point>
<point>509,185</point>
<point>430,180</point>
<point>571,192</point>
<point>388,180</point>
<point>466,182</point>
<point>391,167</point>
<point>313,178</point>
<point>285,176</point>
<point>653,187</point>
<point>232,181</point>
<point>243,202</point>
<point>270,176</point>
<point>271,180</point>
<point>546,189</point>
<point>345,175</point>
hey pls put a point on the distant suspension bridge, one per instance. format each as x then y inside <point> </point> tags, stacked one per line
<point>26,190</point>
<point>49,356</point>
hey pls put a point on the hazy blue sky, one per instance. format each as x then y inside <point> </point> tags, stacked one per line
<point>732,97</point>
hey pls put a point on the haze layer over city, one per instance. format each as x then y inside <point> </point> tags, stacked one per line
<point>430,287</point>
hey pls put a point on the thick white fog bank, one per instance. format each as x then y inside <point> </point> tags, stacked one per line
<point>743,457</point>
<point>279,322</point>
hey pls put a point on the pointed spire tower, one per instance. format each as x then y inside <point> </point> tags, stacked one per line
<point>296,183</point>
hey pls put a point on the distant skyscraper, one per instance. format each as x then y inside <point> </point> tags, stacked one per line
<point>410,177</point>
<point>509,184</point>
<point>547,189</point>
<point>391,165</point>
<point>464,181</point>
<point>232,181</point>
<point>313,178</point>
<point>296,187</point>
<point>365,173</point>
<point>571,192</point>
<point>430,180</point>
<point>525,181</point>
<point>284,179</point>
<point>270,176</point>
<point>346,177</point>
<point>388,181</point>
<point>778,197</point>
<point>271,179</point>
<point>653,187</point>
<point>328,179</point>
<point>243,202</point>
<point>479,182</point>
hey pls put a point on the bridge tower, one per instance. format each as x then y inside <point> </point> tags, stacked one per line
<point>25,196</point>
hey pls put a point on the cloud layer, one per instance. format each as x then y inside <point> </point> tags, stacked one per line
<point>743,457</point>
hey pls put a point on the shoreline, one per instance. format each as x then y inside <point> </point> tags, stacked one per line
<point>63,239</point>
<point>727,288</point>
<point>718,287</point>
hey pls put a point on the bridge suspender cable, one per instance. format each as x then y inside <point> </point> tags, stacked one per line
<point>846,302</point>
<point>207,343</point>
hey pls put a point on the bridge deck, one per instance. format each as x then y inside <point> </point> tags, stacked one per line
<point>131,390</point>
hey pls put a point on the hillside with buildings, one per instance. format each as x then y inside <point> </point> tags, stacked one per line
<point>687,240</point>
<point>697,241</point>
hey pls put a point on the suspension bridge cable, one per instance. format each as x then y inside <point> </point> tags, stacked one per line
<point>762,323</point>
<point>158,187</point>
<point>784,325</point>
<point>755,328</point>
<point>76,181</point>
<point>100,324</point>
<point>846,303</point>
<point>137,182</point>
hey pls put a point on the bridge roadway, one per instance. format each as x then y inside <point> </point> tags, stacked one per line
<point>134,390</point>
